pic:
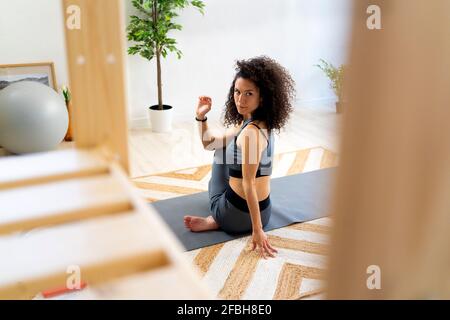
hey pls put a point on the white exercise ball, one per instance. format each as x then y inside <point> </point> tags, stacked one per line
<point>33,118</point>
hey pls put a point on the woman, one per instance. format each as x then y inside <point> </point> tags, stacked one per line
<point>259,102</point>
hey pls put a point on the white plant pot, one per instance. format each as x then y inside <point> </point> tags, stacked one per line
<point>160,120</point>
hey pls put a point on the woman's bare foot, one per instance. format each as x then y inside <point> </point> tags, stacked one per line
<point>198,224</point>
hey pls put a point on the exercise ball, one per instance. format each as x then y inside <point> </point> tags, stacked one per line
<point>33,118</point>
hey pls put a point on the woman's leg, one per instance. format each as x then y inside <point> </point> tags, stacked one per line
<point>216,188</point>
<point>233,215</point>
<point>219,177</point>
<point>227,217</point>
<point>198,224</point>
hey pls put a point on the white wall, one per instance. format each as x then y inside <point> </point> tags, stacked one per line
<point>295,32</point>
<point>32,31</point>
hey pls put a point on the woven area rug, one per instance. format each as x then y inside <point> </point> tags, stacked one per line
<point>192,180</point>
<point>230,269</point>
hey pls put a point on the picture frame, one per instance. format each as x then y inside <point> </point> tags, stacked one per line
<point>42,72</point>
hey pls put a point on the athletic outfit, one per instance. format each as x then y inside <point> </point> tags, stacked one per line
<point>228,209</point>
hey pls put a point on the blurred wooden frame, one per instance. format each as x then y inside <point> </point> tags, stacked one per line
<point>95,55</point>
<point>77,207</point>
<point>392,203</point>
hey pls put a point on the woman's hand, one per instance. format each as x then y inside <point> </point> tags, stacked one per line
<point>260,241</point>
<point>203,107</point>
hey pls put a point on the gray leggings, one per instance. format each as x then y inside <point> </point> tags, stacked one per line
<point>228,209</point>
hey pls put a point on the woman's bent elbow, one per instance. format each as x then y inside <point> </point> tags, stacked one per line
<point>209,146</point>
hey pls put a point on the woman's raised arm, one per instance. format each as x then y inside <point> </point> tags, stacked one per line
<point>211,139</point>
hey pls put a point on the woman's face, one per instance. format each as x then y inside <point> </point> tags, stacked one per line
<point>246,97</point>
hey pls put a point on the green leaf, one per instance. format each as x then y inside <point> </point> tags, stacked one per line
<point>336,75</point>
<point>147,5</point>
<point>199,5</point>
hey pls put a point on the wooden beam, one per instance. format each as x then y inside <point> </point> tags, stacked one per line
<point>392,204</point>
<point>103,249</point>
<point>50,166</point>
<point>95,54</point>
<point>61,202</point>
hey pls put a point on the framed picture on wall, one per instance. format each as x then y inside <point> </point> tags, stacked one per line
<point>43,72</point>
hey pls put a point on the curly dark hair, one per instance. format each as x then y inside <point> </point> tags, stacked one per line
<point>276,86</point>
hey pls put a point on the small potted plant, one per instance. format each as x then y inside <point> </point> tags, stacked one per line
<point>336,76</point>
<point>149,31</point>
<point>68,99</point>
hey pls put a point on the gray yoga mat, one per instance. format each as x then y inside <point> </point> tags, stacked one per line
<point>295,198</point>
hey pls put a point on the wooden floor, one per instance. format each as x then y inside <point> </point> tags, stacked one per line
<point>62,146</point>
<point>157,152</point>
<point>160,152</point>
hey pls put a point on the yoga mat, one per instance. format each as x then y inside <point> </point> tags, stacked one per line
<point>295,198</point>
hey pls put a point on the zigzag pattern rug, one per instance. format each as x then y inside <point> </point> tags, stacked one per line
<point>230,269</point>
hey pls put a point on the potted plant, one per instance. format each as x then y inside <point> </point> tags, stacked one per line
<point>149,31</point>
<point>68,99</point>
<point>336,76</point>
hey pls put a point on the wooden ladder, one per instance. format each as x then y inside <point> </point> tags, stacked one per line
<point>72,216</point>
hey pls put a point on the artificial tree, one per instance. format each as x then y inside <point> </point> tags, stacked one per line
<point>150,31</point>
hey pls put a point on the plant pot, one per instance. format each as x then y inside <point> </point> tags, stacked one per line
<point>160,120</point>
<point>69,136</point>
<point>338,107</point>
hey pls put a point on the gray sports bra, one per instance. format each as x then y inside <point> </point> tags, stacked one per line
<point>234,155</point>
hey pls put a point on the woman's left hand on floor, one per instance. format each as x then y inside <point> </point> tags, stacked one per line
<point>261,242</point>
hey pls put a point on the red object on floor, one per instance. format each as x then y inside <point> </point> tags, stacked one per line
<point>63,290</point>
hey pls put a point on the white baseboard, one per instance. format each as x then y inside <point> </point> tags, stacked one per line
<point>139,123</point>
<point>320,102</point>
<point>328,103</point>
<point>145,123</point>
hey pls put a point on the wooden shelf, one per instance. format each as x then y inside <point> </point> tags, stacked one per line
<point>59,202</point>
<point>94,222</point>
<point>50,166</point>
